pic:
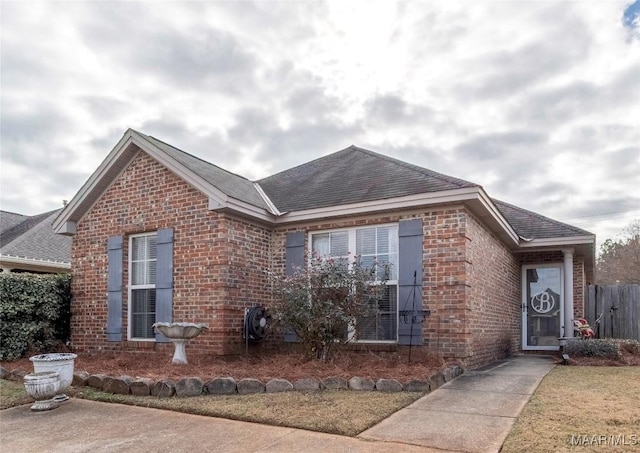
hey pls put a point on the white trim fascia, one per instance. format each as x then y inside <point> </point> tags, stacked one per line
<point>497,215</point>
<point>243,208</point>
<point>272,207</point>
<point>409,201</point>
<point>558,242</point>
<point>68,228</point>
<point>34,261</point>
<point>88,186</point>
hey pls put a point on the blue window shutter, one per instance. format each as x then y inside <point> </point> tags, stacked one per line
<point>295,251</point>
<point>114,289</point>
<point>410,292</point>
<point>294,259</point>
<point>164,279</point>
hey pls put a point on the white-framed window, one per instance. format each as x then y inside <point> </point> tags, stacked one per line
<point>371,243</point>
<point>142,286</point>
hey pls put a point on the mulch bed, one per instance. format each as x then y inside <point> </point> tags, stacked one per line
<point>272,365</point>
<point>290,366</point>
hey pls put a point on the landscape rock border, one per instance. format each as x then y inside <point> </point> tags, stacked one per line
<point>226,385</point>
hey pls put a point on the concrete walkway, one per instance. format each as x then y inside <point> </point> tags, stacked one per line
<point>472,413</point>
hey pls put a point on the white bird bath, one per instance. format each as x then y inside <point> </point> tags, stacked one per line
<point>179,333</point>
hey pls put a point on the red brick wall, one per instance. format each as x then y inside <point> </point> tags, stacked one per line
<point>494,288</point>
<point>446,330</point>
<point>471,281</point>
<point>219,261</point>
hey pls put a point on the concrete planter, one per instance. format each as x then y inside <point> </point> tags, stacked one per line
<point>62,363</point>
<point>42,387</point>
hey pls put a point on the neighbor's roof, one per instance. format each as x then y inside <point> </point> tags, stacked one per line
<point>531,225</point>
<point>8,220</point>
<point>33,238</point>
<point>352,175</point>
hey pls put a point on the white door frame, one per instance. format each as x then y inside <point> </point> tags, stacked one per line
<point>525,305</point>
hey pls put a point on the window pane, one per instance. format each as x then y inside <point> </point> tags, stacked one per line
<point>143,312</point>
<point>152,250</point>
<point>381,326</point>
<point>137,273</point>
<point>339,243</point>
<point>334,244</point>
<point>367,261</point>
<point>151,273</point>
<point>366,241</point>
<point>382,241</point>
<point>137,248</point>
<point>321,244</point>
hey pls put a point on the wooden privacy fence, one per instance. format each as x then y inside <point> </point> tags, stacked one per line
<point>619,306</point>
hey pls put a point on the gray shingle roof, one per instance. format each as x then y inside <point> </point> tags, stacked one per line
<point>34,238</point>
<point>9,220</point>
<point>231,184</point>
<point>352,175</point>
<point>531,225</point>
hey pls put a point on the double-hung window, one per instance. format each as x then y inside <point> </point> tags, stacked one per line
<point>370,245</point>
<point>142,286</point>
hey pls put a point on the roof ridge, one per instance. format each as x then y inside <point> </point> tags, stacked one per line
<point>425,171</point>
<point>195,157</point>
<point>14,213</point>
<point>418,168</point>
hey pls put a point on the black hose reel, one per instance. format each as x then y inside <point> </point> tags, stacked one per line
<point>256,323</point>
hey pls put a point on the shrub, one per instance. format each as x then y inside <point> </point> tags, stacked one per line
<point>321,302</point>
<point>630,346</point>
<point>593,348</point>
<point>34,313</point>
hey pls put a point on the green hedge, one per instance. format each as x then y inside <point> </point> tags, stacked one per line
<point>35,312</point>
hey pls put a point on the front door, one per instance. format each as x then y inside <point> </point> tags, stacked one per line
<point>542,306</point>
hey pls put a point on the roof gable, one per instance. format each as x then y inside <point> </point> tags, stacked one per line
<point>226,190</point>
<point>352,175</point>
<point>231,184</point>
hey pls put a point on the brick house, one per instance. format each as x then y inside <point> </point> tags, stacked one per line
<point>160,235</point>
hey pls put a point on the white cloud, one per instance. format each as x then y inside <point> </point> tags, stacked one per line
<point>536,101</point>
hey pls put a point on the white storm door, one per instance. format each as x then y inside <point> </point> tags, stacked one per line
<point>542,306</point>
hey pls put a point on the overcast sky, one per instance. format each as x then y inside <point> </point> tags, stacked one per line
<point>538,102</point>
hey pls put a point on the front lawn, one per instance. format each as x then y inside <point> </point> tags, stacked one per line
<point>581,409</point>
<point>331,411</point>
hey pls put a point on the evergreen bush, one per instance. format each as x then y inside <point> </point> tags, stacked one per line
<point>35,312</point>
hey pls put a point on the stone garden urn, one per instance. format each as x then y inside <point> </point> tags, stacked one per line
<point>61,363</point>
<point>43,386</point>
<point>179,333</point>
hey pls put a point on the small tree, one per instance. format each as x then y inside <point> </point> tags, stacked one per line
<point>619,261</point>
<point>321,302</point>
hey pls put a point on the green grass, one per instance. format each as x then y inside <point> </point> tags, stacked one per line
<point>581,402</point>
<point>13,394</point>
<point>346,413</point>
